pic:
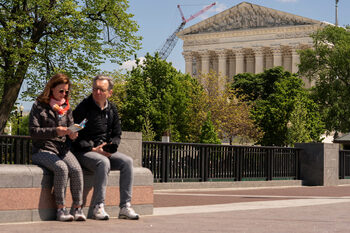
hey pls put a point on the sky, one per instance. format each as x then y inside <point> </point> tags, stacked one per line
<point>158,19</point>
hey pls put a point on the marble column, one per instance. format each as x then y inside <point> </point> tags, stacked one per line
<point>259,60</point>
<point>222,56</point>
<point>239,61</point>
<point>205,59</point>
<point>268,59</point>
<point>295,61</point>
<point>188,62</point>
<point>250,63</point>
<point>232,67</point>
<point>277,57</point>
<point>287,61</point>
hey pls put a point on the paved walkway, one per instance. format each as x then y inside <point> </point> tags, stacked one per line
<point>284,209</point>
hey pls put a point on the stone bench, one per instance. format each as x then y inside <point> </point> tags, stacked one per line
<point>26,190</point>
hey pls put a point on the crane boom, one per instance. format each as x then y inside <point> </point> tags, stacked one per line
<point>170,43</point>
<point>200,12</point>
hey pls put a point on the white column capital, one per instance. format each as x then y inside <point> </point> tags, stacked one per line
<point>204,55</point>
<point>259,52</point>
<point>239,53</point>
<point>222,54</point>
<point>188,56</point>
<point>276,50</point>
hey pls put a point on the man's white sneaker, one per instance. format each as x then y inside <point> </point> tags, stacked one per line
<point>79,215</point>
<point>99,212</point>
<point>63,215</point>
<point>128,213</point>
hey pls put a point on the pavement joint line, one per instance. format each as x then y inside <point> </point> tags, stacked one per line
<point>225,189</point>
<point>257,196</point>
<point>162,211</point>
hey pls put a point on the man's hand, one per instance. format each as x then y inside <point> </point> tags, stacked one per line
<point>72,135</point>
<point>100,150</point>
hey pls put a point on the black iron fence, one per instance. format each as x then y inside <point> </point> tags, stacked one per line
<point>172,162</point>
<point>344,164</point>
<point>15,149</point>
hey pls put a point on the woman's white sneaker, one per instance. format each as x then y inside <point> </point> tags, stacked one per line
<point>64,216</point>
<point>79,215</point>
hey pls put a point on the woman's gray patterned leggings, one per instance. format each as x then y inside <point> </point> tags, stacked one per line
<point>65,167</point>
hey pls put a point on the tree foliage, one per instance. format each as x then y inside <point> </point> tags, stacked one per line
<point>283,109</point>
<point>40,37</point>
<point>230,114</point>
<point>159,97</point>
<point>328,65</point>
<point>208,132</point>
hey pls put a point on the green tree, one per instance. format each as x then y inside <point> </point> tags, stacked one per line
<point>208,132</point>
<point>328,65</point>
<point>229,113</point>
<point>280,98</point>
<point>40,37</point>
<point>159,97</point>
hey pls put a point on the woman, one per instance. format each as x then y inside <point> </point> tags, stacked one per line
<point>49,120</point>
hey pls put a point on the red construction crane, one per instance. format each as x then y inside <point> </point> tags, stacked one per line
<point>170,43</point>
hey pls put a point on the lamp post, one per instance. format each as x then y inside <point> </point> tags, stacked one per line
<point>336,12</point>
<point>19,114</point>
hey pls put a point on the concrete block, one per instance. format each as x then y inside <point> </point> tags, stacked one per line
<point>131,145</point>
<point>319,163</point>
<point>10,176</point>
<point>8,216</point>
<point>43,214</point>
<point>142,177</point>
<point>41,177</point>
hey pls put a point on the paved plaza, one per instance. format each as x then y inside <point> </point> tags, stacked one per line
<point>278,209</point>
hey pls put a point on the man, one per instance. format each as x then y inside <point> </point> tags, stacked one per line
<point>97,144</point>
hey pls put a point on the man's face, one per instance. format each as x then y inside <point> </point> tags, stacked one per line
<point>100,91</point>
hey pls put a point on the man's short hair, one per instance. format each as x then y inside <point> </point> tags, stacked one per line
<point>104,77</point>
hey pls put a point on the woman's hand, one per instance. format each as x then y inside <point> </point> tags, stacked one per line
<point>61,131</point>
<point>100,150</point>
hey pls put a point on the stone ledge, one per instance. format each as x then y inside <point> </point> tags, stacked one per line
<point>26,193</point>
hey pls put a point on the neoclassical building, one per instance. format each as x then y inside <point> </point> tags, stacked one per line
<point>246,38</point>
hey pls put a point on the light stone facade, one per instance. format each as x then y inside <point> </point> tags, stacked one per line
<point>246,38</point>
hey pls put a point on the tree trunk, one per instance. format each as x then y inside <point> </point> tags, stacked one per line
<point>8,100</point>
<point>12,87</point>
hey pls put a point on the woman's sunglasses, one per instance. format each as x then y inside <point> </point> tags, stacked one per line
<point>63,91</point>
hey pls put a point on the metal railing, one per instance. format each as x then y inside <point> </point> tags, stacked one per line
<point>172,162</point>
<point>15,149</point>
<point>344,164</point>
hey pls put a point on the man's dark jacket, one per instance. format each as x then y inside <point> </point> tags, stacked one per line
<point>101,126</point>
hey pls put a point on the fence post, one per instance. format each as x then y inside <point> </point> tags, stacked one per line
<point>297,165</point>
<point>269,163</point>
<point>319,163</point>
<point>18,151</point>
<point>204,163</point>
<point>341,165</point>
<point>239,169</point>
<point>164,149</point>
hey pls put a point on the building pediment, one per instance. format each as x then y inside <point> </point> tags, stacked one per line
<point>247,16</point>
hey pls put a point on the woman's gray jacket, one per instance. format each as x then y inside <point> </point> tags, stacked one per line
<point>43,121</point>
